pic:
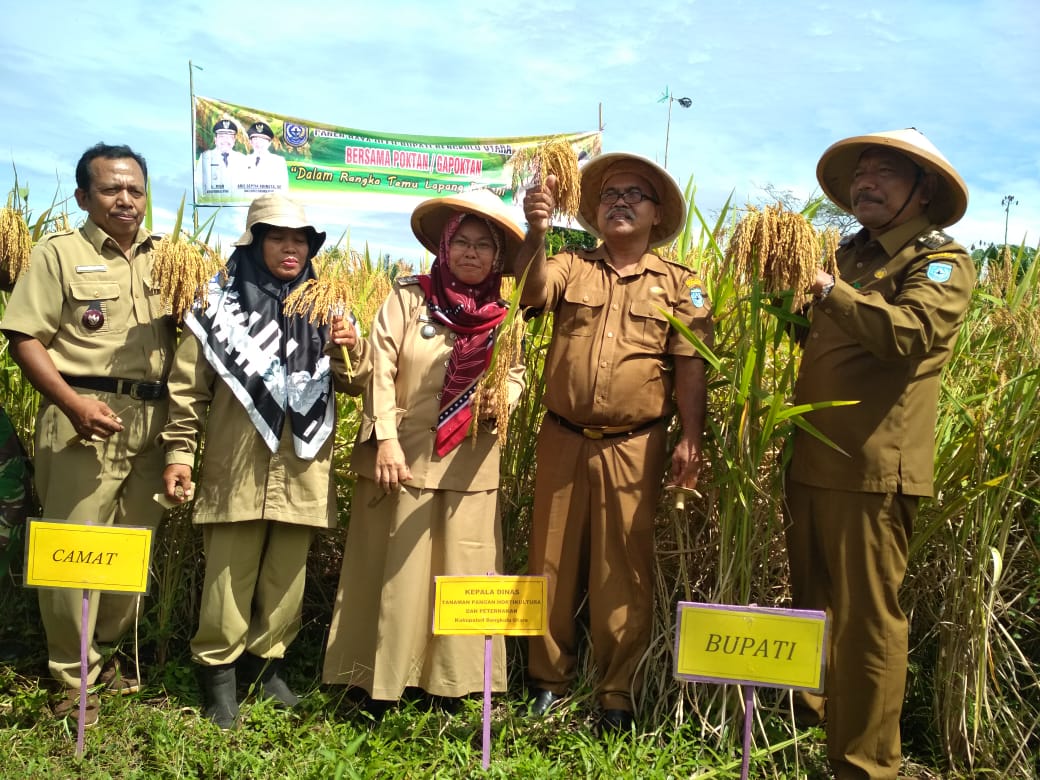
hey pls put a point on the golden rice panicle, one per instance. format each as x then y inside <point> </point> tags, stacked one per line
<point>319,300</point>
<point>15,245</point>
<point>555,157</point>
<point>830,240</point>
<point>181,269</point>
<point>491,397</point>
<point>558,158</point>
<point>738,255</point>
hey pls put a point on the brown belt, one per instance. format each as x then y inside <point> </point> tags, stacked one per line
<point>603,431</point>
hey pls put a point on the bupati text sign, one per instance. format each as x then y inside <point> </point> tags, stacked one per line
<point>781,648</point>
<point>493,604</point>
<point>90,557</point>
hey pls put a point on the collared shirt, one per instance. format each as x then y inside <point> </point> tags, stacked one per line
<point>409,355</point>
<point>882,338</point>
<point>96,312</point>
<point>609,359</point>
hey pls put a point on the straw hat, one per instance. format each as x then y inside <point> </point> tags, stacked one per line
<point>278,211</point>
<point>430,217</point>
<point>834,171</point>
<point>599,169</point>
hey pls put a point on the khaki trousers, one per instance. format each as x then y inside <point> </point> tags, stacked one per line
<point>593,534</point>
<point>103,483</point>
<point>252,597</point>
<point>848,554</point>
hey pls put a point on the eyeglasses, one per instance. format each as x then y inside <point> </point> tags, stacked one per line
<point>460,244</point>
<point>631,196</point>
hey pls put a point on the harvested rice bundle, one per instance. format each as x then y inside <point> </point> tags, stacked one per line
<point>553,157</point>
<point>181,269</point>
<point>781,248</point>
<point>321,299</point>
<point>15,246</point>
<point>491,397</point>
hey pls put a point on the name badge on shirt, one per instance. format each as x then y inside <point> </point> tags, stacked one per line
<point>940,272</point>
<point>90,269</point>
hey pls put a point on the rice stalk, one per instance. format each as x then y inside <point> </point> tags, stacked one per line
<point>783,249</point>
<point>15,245</point>
<point>552,157</point>
<point>181,270</point>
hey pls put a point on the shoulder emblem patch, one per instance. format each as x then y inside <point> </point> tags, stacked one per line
<point>934,239</point>
<point>940,272</point>
<point>404,281</point>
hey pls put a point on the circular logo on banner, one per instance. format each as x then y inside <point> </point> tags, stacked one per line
<point>295,135</point>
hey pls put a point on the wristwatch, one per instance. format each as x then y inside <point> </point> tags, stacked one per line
<point>825,291</point>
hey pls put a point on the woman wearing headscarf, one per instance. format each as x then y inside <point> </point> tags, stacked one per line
<point>425,503</point>
<point>261,385</point>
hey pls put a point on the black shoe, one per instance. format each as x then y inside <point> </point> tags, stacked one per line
<point>264,674</point>
<point>542,702</point>
<point>616,722</point>
<point>218,683</point>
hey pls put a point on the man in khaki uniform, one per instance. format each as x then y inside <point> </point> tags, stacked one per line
<point>880,333</point>
<point>613,364</point>
<point>87,328</point>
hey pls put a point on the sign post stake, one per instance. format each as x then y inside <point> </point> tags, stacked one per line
<point>749,714</point>
<point>487,703</point>
<point>84,617</point>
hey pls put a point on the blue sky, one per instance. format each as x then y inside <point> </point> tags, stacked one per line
<point>772,83</point>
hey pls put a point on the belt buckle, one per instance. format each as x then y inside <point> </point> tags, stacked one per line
<point>144,391</point>
<point>591,433</point>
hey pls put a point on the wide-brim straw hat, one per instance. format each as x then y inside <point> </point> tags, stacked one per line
<point>836,166</point>
<point>278,211</point>
<point>430,217</point>
<point>600,168</point>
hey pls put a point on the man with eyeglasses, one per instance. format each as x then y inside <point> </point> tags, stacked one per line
<point>615,373</point>
<point>88,329</point>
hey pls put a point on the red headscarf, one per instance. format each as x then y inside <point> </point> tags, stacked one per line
<point>472,312</point>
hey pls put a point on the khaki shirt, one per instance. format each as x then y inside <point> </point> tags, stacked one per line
<point>402,400</point>
<point>83,269</point>
<point>881,338</point>
<point>240,479</point>
<point>608,362</point>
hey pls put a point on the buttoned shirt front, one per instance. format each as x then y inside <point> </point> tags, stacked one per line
<point>96,312</point>
<point>609,359</point>
<point>881,338</point>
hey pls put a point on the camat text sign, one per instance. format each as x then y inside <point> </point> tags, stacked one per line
<point>92,557</point>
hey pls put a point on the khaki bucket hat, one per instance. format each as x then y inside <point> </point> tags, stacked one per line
<point>836,166</point>
<point>430,217</point>
<point>278,211</point>
<point>600,168</point>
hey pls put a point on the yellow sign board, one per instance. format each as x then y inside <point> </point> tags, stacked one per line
<point>90,557</point>
<point>494,604</point>
<point>782,648</point>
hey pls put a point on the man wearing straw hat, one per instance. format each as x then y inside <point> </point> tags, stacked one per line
<point>880,333</point>
<point>612,366</point>
<point>89,331</point>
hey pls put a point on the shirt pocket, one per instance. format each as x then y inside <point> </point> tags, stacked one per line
<point>580,312</point>
<point>89,298</point>
<point>649,325</point>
